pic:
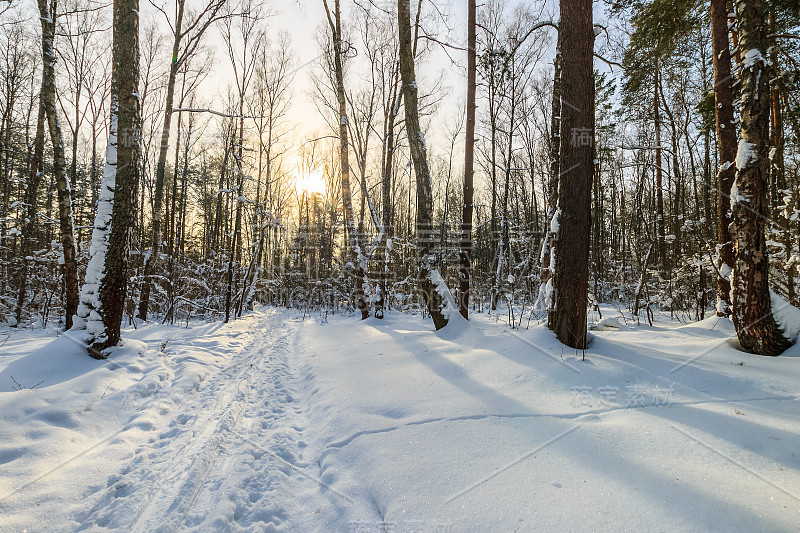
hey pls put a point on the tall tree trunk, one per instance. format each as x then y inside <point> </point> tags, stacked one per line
<point>236,255</point>
<point>726,144</point>
<point>217,226</point>
<point>680,188</point>
<point>504,255</point>
<point>161,166</point>
<point>465,270</point>
<point>493,112</point>
<point>430,282</point>
<point>347,197</point>
<point>755,324</point>
<point>660,218</point>
<point>73,168</point>
<point>546,256</point>
<point>568,319</point>
<point>65,217</point>
<point>387,230</point>
<point>104,318</point>
<point>31,194</point>
<point>777,156</point>
<point>237,228</point>
<point>93,180</point>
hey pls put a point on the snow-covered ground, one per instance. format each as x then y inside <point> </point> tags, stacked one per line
<point>278,423</point>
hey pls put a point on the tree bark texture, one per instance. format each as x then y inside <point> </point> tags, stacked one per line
<point>66,224</point>
<point>726,144</point>
<point>347,196</point>
<point>125,84</point>
<point>752,314</point>
<point>465,270</point>
<point>419,157</point>
<point>568,319</point>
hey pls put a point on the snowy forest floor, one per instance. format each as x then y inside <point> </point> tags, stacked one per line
<point>279,423</point>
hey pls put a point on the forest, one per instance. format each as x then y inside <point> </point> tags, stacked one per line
<point>641,154</point>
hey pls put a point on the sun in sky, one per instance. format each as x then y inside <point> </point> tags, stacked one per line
<point>310,182</point>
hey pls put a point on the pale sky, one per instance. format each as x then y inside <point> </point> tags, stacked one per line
<point>301,18</point>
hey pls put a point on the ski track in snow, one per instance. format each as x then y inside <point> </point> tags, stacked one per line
<point>223,456</point>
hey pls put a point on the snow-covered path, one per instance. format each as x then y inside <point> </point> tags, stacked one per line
<point>278,423</point>
<point>226,456</point>
<point>210,436</point>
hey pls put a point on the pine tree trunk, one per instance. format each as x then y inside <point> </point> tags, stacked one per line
<point>65,217</point>
<point>424,220</point>
<point>756,327</point>
<point>777,157</point>
<point>568,319</point>
<point>726,144</point>
<point>125,82</point>
<point>465,271</point>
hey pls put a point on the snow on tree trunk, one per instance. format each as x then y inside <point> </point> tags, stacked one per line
<point>111,238</point>
<point>431,290</point>
<point>756,327</point>
<point>89,310</point>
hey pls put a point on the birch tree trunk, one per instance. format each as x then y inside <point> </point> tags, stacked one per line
<point>430,282</point>
<point>347,197</point>
<point>387,230</point>
<point>546,255</point>
<point>756,327</point>
<point>660,218</point>
<point>107,275</point>
<point>65,217</point>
